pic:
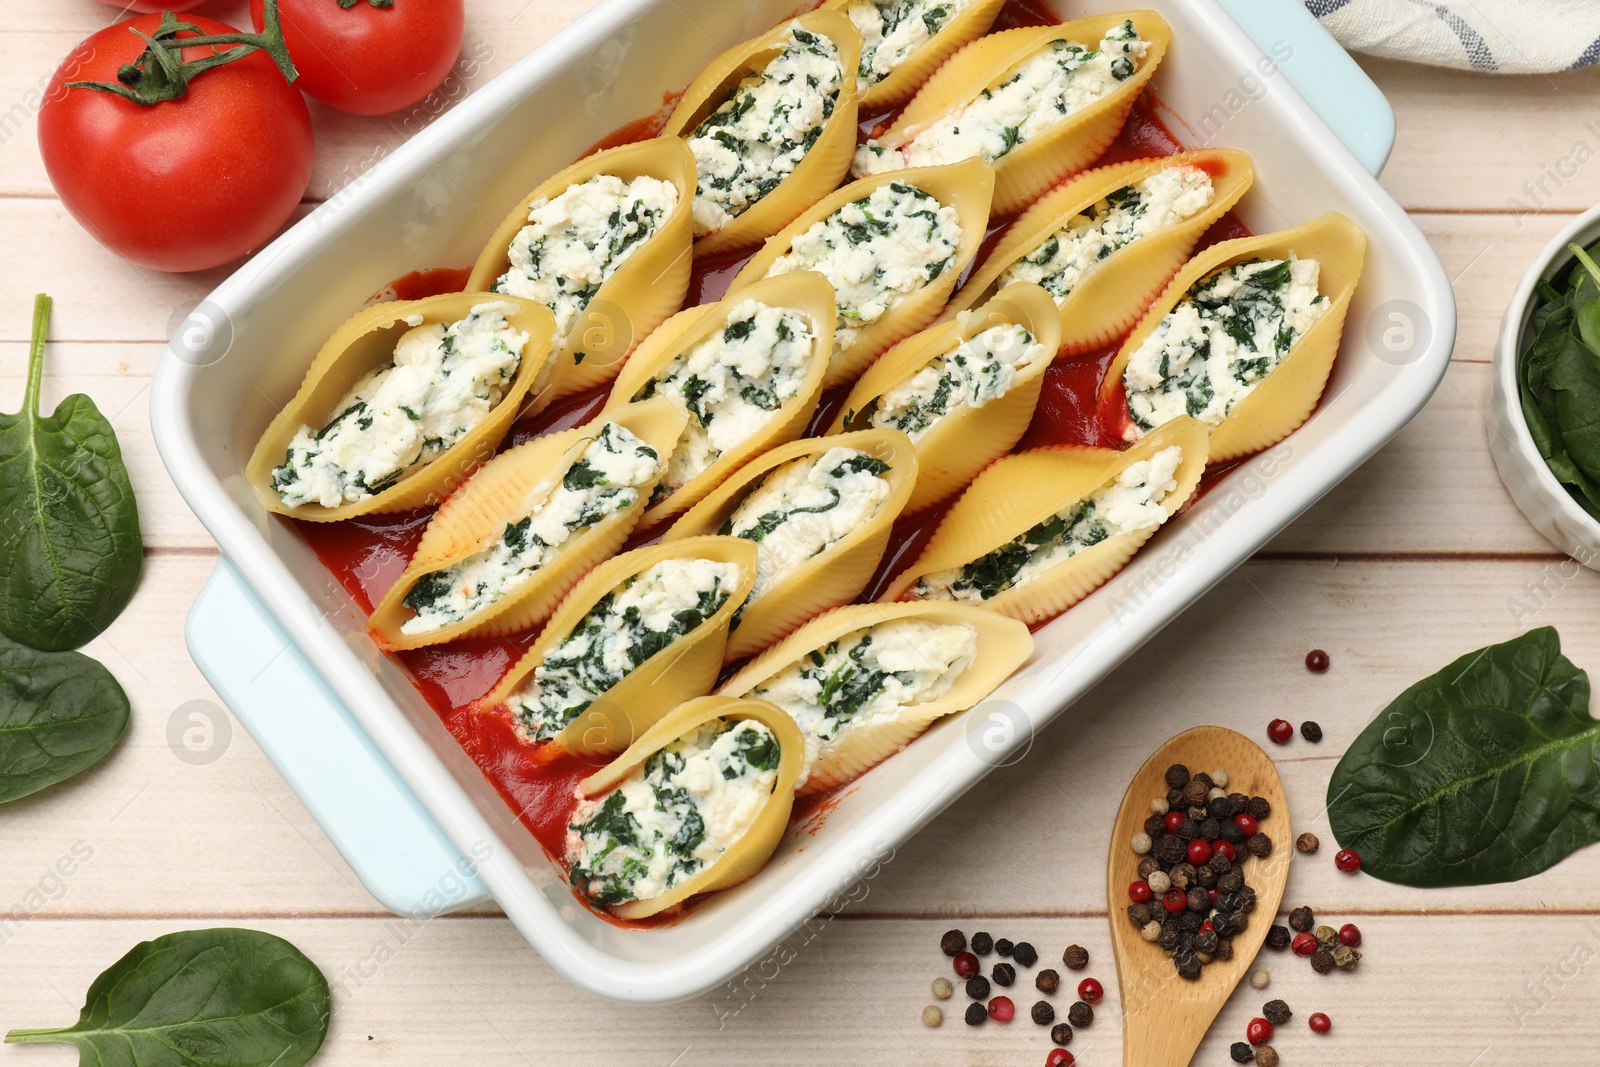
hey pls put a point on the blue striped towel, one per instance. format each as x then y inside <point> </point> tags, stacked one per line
<point>1504,36</point>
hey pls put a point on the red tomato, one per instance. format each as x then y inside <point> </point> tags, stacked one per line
<point>147,6</point>
<point>370,60</point>
<point>183,184</point>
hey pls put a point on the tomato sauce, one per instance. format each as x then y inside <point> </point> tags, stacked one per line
<point>367,555</point>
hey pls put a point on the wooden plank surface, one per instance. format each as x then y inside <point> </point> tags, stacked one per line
<point>1416,558</point>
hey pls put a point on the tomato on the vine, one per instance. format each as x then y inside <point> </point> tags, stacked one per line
<point>370,58</point>
<point>204,171</point>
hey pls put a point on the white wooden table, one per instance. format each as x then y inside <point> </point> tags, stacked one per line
<point>1418,557</point>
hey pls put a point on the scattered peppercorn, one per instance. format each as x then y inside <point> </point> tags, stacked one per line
<point>932,1016</point>
<point>1278,938</point>
<point>1319,1023</point>
<point>1003,974</point>
<point>1307,843</point>
<point>1311,731</point>
<point>1322,961</point>
<point>977,1014</point>
<point>1003,947</point>
<point>982,943</point>
<point>1080,1015</point>
<point>1267,1056</point>
<point>1281,731</point>
<point>1259,1032</point>
<point>966,965</point>
<point>1061,1034</point>
<point>1260,979</point>
<point>1241,1052</point>
<point>1001,1010</point>
<point>1259,808</point>
<point>1177,776</point>
<point>942,988</point>
<point>1058,1057</point>
<point>1047,981</point>
<point>978,987</point>
<point>1304,944</point>
<point>1277,1013</point>
<point>953,943</point>
<point>1327,937</point>
<point>1347,860</point>
<point>1090,990</point>
<point>1316,661</point>
<point>1025,954</point>
<point>1303,920</point>
<point>1345,958</point>
<point>1350,934</point>
<point>1043,1013</point>
<point>1260,846</point>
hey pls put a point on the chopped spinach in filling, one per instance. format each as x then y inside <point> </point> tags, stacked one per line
<point>442,382</point>
<point>625,628</point>
<point>603,481</point>
<point>1132,503</point>
<point>980,369</point>
<point>1214,348</point>
<point>891,30</point>
<point>749,145</point>
<point>674,817</point>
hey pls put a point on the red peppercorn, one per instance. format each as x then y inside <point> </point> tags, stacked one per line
<point>1059,1057</point>
<point>1199,853</point>
<point>1280,730</point>
<point>1211,895</point>
<point>1347,860</point>
<point>1259,1032</point>
<point>1206,926</point>
<point>1247,823</point>
<point>1320,1023</point>
<point>1090,991</point>
<point>1175,900</point>
<point>1173,820</point>
<point>1350,934</point>
<point>966,965</point>
<point>1225,848</point>
<point>1316,661</point>
<point>1001,1010</point>
<point>1139,892</point>
<point>1304,944</point>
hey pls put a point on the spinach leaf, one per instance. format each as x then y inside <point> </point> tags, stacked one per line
<point>1484,772</point>
<point>70,549</point>
<point>238,998</point>
<point>59,713</point>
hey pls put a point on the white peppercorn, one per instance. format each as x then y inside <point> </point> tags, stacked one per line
<point>1259,979</point>
<point>942,988</point>
<point>1151,930</point>
<point>932,1016</point>
<point>1219,779</point>
<point>1216,794</point>
<point>1159,882</point>
<point>1141,844</point>
<point>1159,806</point>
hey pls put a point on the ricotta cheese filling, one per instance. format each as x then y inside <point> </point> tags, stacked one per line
<point>442,382</point>
<point>750,144</point>
<point>877,252</point>
<point>625,627</point>
<point>1058,81</point>
<point>675,816</point>
<point>891,30</point>
<point>604,480</point>
<point>1130,504</point>
<point>980,369</point>
<point>801,509</point>
<point>1213,349</point>
<point>1165,198</point>
<point>575,241</point>
<point>868,677</point>
<point>731,383</point>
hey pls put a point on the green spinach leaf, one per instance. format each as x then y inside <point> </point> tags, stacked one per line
<point>59,713</point>
<point>238,998</point>
<point>1484,772</point>
<point>70,550</point>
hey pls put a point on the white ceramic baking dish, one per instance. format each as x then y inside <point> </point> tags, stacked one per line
<point>285,644</point>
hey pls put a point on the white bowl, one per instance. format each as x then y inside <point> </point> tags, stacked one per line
<point>1544,500</point>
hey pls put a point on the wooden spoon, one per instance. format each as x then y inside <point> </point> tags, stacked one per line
<point>1164,1016</point>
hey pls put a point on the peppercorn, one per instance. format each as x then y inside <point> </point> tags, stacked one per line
<point>1316,661</point>
<point>1142,844</point>
<point>1227,849</point>
<point>1171,849</point>
<point>1241,1052</point>
<point>1220,861</point>
<point>1345,958</point>
<point>1258,1032</point>
<point>1196,812</point>
<point>1306,843</point>
<point>1177,776</point>
<point>1311,731</point>
<point>1155,826</point>
<point>1196,792</point>
<point>1277,1012</point>
<point>1175,798</point>
<point>1350,934</point>
<point>1047,981</point>
<point>1139,914</point>
<point>1043,1013</point>
<point>1347,860</point>
<point>1327,937</point>
<point>1001,1010</point>
<point>1278,938</point>
<point>1090,991</point>
<point>1025,954</point>
<point>1159,882</point>
<point>1188,964</point>
<point>1302,919</point>
<point>1319,1023</point>
<point>1188,830</point>
<point>1148,866</point>
<point>953,943</point>
<point>1260,846</point>
<point>978,987</point>
<point>1239,801</point>
<point>1202,776</point>
<point>1199,900</point>
<point>1206,941</point>
<point>1205,877</point>
<point>1230,880</point>
<point>1219,778</point>
<point>1150,931</point>
<point>1267,1056</point>
<point>982,943</point>
<point>1080,1015</point>
<point>942,988</point>
<point>1061,1034</point>
<point>1224,924</point>
<point>1220,809</point>
<point>1322,961</point>
<point>1189,922</point>
<point>1232,833</point>
<point>1246,823</point>
<point>1260,979</point>
<point>1003,947</point>
<point>1159,806</point>
<point>1224,948</point>
<point>1058,1057</point>
<point>1182,876</point>
<point>1245,899</point>
<point>977,1014</point>
<point>966,965</point>
<point>1003,974</point>
<point>932,1016</point>
<point>1280,731</point>
<point>1168,938</point>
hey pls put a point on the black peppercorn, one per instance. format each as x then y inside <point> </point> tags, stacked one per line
<point>1139,914</point>
<point>1224,949</point>
<point>1202,776</point>
<point>1311,732</point>
<point>1227,901</point>
<point>1220,809</point>
<point>1260,846</point>
<point>1205,877</point>
<point>1197,812</point>
<point>1003,974</point>
<point>1195,792</point>
<point>1219,862</point>
<point>1155,825</point>
<point>1241,922</point>
<point>1241,1052</point>
<point>978,987</point>
<point>1199,900</point>
<point>977,1014</point>
<point>1322,961</point>
<point>1232,833</point>
<point>1043,1013</point>
<point>1245,899</point>
<point>1003,946</point>
<point>1080,1015</point>
<point>1210,828</point>
<point>1259,809</point>
<point>1148,866</point>
<point>1222,922</point>
<point>1306,843</point>
<point>1229,881</point>
<point>1169,937</point>
<point>1190,921</point>
<point>1278,938</point>
<point>1239,801</point>
<point>953,943</point>
<point>982,943</point>
<point>1061,1034</point>
<point>1206,941</point>
<point>1025,954</point>
<point>1171,850</point>
<point>1047,981</point>
<point>1188,966</point>
<point>1175,799</point>
<point>1188,830</point>
<point>1303,920</point>
<point>1177,776</point>
<point>1277,1012</point>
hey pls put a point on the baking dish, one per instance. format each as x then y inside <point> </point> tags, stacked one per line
<point>284,644</point>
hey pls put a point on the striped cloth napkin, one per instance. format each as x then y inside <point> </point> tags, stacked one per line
<point>1503,36</point>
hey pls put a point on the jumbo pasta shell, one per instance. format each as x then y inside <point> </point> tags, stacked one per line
<point>961,443</point>
<point>1070,145</point>
<point>804,291</point>
<point>1112,294</point>
<point>897,86</point>
<point>745,858</point>
<point>827,161</point>
<point>643,291</point>
<point>499,494</point>
<point>1017,493</point>
<point>1287,395</point>
<point>684,669</point>
<point>835,576</point>
<point>964,186</point>
<point>1003,646</point>
<point>367,341</point>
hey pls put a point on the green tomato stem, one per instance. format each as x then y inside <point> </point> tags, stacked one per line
<point>41,328</point>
